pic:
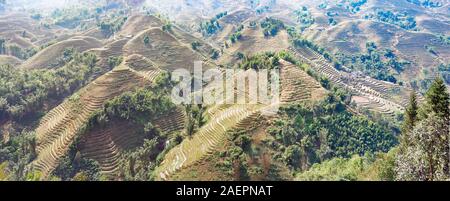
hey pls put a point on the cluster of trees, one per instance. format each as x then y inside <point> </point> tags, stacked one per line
<point>355,5</point>
<point>65,58</point>
<point>304,17</point>
<point>195,118</point>
<point>309,134</point>
<point>167,27</point>
<point>110,27</point>
<point>403,20</point>
<point>299,41</point>
<point>24,92</point>
<point>140,106</point>
<point>114,61</point>
<point>77,168</point>
<point>146,40</point>
<point>138,164</point>
<point>36,16</point>
<point>2,46</point>
<point>15,154</point>
<point>444,39</point>
<point>323,5</point>
<point>237,34</point>
<point>15,50</point>
<point>370,167</point>
<point>426,3</point>
<point>332,21</point>
<point>195,45</point>
<point>262,10</point>
<point>70,18</point>
<point>21,53</point>
<point>332,13</point>
<point>267,60</point>
<point>271,26</point>
<point>214,54</point>
<point>235,160</point>
<point>270,60</point>
<point>312,133</point>
<point>444,70</point>
<point>379,64</point>
<point>247,159</point>
<point>212,26</point>
<point>424,151</point>
<point>351,147</point>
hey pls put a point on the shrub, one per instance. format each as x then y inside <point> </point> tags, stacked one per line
<point>271,26</point>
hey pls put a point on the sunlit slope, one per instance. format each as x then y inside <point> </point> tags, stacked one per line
<point>296,86</point>
<point>48,57</point>
<point>59,128</point>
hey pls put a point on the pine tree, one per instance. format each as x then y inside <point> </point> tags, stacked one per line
<point>146,40</point>
<point>425,148</point>
<point>2,46</point>
<point>423,160</point>
<point>438,101</point>
<point>410,119</point>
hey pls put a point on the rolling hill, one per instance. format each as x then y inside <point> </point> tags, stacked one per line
<point>346,69</point>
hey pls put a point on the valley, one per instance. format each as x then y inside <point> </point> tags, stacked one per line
<point>86,88</point>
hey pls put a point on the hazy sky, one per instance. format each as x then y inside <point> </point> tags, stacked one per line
<point>42,4</point>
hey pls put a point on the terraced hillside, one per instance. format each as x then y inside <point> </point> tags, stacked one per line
<point>111,49</point>
<point>163,49</point>
<point>14,25</point>
<point>9,60</point>
<point>137,41</point>
<point>48,57</point>
<point>138,23</point>
<point>203,142</point>
<point>173,121</point>
<point>369,93</point>
<point>254,41</point>
<point>356,25</point>
<point>59,128</point>
<point>296,86</point>
<point>105,145</point>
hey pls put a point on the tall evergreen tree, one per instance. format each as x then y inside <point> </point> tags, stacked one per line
<point>423,160</point>
<point>2,46</point>
<point>410,119</point>
<point>425,151</point>
<point>438,101</point>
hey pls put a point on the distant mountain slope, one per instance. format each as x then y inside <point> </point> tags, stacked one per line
<point>48,58</point>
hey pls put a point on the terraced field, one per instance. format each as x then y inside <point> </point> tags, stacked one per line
<point>105,145</point>
<point>253,41</point>
<point>296,86</point>
<point>59,128</point>
<point>13,25</point>
<point>380,96</point>
<point>112,49</point>
<point>49,56</point>
<point>205,140</point>
<point>138,23</point>
<point>172,122</point>
<point>163,49</point>
<point>9,60</point>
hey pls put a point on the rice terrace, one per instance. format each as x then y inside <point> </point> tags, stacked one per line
<point>224,90</point>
